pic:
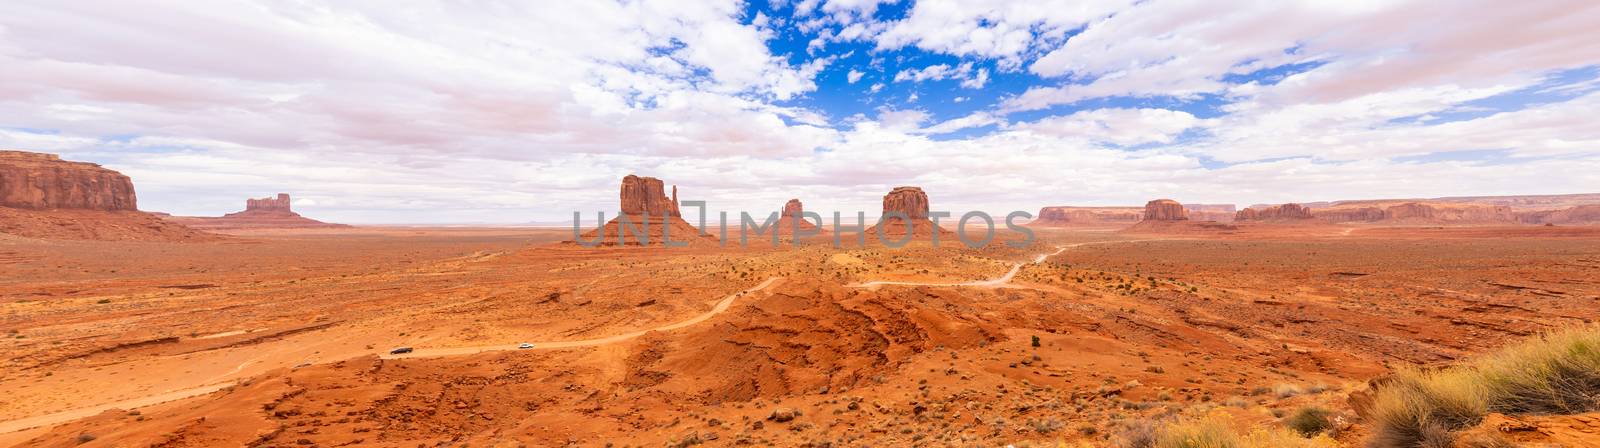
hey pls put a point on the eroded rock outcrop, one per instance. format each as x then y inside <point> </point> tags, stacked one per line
<point>794,215</point>
<point>1210,212</point>
<point>649,217</point>
<point>1413,212</point>
<point>793,208</point>
<point>906,209</point>
<point>1165,210</point>
<point>38,181</point>
<point>1290,211</point>
<point>908,200</point>
<point>277,204</point>
<point>264,213</point>
<point>647,196</point>
<point>42,196</point>
<point>1073,216</point>
<point>1579,215</point>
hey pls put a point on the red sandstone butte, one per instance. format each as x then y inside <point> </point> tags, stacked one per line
<point>1165,210</point>
<point>264,213</point>
<point>913,204</point>
<point>1290,211</point>
<point>44,197</point>
<point>1064,216</point>
<point>643,201</point>
<point>38,181</point>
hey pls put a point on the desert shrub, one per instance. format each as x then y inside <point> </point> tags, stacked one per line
<point>1556,373</point>
<point>1416,406</point>
<point>1139,434</point>
<point>1208,433</point>
<point>1212,432</point>
<point>1310,421</point>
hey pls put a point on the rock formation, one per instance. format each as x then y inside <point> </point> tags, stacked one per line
<point>264,213</point>
<point>646,196</point>
<point>1210,212</point>
<point>1062,216</point>
<point>1413,212</point>
<point>278,204</point>
<point>1165,210</point>
<point>793,208</point>
<point>1290,211</point>
<point>908,200</point>
<point>42,196</point>
<point>1579,214</point>
<point>37,181</point>
<point>913,204</point>
<point>793,211</point>
<point>644,202</point>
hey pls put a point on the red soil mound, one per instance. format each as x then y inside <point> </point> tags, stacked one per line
<point>95,225</point>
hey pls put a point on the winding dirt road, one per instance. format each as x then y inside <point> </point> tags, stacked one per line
<point>720,307</point>
<point>1003,280</point>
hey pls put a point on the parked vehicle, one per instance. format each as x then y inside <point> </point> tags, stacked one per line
<point>525,346</point>
<point>400,350</point>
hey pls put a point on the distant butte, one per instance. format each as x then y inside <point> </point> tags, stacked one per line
<point>643,201</point>
<point>911,205</point>
<point>265,213</point>
<point>792,216</point>
<point>1064,216</point>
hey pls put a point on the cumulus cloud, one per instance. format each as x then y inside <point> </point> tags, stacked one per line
<point>429,112</point>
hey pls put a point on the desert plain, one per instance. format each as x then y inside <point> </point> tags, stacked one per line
<point>282,337</point>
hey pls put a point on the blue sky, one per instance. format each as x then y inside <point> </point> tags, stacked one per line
<point>439,112</point>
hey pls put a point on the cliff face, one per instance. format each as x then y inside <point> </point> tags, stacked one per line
<point>912,202</point>
<point>1419,213</point>
<point>1581,214</point>
<point>1066,216</point>
<point>908,200</point>
<point>264,213</point>
<point>647,196</point>
<point>38,181</point>
<point>1274,213</point>
<point>278,204</point>
<point>1165,210</point>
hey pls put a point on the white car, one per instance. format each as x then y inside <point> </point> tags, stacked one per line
<point>525,346</point>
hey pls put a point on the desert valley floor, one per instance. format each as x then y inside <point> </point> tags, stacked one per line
<point>282,337</point>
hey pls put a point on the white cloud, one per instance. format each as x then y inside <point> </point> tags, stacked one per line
<point>423,112</point>
<point>970,78</point>
<point>1116,126</point>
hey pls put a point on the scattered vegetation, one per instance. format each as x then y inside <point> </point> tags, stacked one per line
<point>1213,432</point>
<point>1310,421</point>
<point>1557,373</point>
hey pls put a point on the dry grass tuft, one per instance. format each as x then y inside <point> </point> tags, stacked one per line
<point>1557,373</point>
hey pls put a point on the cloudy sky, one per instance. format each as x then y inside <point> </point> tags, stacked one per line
<point>508,112</point>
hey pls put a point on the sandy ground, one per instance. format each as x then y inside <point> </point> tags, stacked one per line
<point>282,337</point>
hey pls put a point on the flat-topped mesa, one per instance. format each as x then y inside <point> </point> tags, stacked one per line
<point>38,181</point>
<point>908,200</point>
<point>647,196</point>
<point>1165,210</point>
<point>1210,212</point>
<point>903,206</point>
<point>278,204</point>
<point>1290,211</point>
<point>1068,216</point>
